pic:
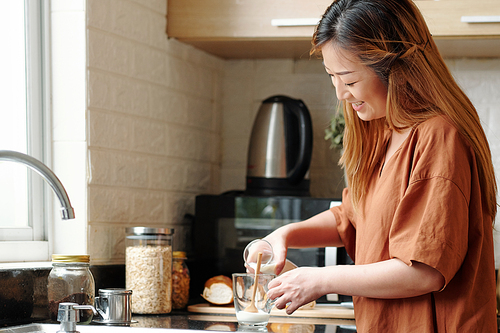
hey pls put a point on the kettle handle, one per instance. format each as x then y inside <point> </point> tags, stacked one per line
<point>297,173</point>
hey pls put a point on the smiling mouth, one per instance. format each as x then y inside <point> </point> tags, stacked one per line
<point>357,106</point>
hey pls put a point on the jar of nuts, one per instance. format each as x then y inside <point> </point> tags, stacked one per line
<point>180,280</point>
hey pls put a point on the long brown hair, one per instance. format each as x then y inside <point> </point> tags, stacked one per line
<point>392,38</point>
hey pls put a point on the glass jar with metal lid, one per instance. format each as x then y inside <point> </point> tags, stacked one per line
<point>70,280</point>
<point>148,269</point>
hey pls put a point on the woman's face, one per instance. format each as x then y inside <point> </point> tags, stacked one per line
<point>355,83</point>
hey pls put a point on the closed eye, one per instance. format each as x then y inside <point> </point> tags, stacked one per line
<point>346,84</point>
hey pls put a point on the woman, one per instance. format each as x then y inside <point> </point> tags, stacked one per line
<point>417,215</point>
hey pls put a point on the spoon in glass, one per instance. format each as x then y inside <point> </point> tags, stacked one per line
<point>251,307</point>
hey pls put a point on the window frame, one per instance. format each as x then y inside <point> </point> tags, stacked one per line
<point>32,243</point>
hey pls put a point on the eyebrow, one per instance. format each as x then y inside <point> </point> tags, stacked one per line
<point>339,73</point>
<point>344,73</point>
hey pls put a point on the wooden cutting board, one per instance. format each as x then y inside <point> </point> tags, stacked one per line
<point>319,311</point>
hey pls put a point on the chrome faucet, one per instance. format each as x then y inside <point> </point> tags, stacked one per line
<point>67,212</point>
<point>68,315</point>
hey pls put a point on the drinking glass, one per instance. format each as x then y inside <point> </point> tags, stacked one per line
<point>243,288</point>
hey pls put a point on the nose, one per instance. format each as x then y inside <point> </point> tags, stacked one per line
<point>342,92</point>
<point>340,89</point>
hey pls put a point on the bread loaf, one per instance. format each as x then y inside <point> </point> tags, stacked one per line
<point>218,290</point>
<point>308,306</point>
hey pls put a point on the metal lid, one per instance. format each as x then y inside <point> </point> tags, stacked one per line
<point>114,291</point>
<point>70,258</point>
<point>179,254</point>
<point>149,231</point>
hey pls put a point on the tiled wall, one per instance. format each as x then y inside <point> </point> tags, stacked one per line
<point>164,121</point>
<point>153,124</point>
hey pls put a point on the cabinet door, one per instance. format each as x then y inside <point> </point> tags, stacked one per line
<point>445,18</point>
<point>219,20</point>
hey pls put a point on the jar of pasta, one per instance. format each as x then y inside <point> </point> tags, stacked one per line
<point>180,281</point>
<point>148,269</point>
<point>70,280</point>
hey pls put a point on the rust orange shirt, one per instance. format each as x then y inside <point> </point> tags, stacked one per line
<point>424,204</point>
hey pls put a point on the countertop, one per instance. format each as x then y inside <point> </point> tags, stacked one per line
<point>228,323</point>
<point>182,319</point>
<point>214,322</point>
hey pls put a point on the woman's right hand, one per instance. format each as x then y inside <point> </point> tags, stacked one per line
<point>317,231</point>
<point>278,241</point>
<point>251,254</point>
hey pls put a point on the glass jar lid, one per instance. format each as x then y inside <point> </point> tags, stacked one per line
<point>71,258</point>
<point>179,255</point>
<point>149,231</point>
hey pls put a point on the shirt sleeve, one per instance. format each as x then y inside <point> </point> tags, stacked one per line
<point>430,226</point>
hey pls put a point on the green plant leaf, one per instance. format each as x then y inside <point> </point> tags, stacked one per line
<point>335,132</point>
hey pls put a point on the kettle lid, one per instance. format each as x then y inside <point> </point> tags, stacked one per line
<point>278,99</point>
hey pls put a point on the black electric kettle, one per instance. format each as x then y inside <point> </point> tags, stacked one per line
<point>280,150</point>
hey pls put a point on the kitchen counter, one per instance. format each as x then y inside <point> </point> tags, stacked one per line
<point>224,323</point>
<point>228,323</point>
<point>214,322</point>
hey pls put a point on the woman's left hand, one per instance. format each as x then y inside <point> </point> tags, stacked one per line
<point>296,288</point>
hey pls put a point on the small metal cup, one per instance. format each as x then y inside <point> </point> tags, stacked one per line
<point>114,306</point>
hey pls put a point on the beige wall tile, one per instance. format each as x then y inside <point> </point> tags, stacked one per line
<point>149,136</point>
<point>109,130</point>
<point>109,204</point>
<point>111,53</point>
<point>147,207</point>
<point>153,126</point>
<point>114,92</point>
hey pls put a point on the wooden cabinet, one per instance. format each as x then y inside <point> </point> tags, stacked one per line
<point>231,19</point>
<point>461,18</point>
<point>464,28</point>
<point>248,28</point>
<point>243,28</point>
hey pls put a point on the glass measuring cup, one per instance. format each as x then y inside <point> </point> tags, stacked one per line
<point>268,264</point>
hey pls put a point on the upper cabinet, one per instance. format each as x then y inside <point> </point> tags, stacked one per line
<point>246,28</point>
<point>283,28</point>
<point>461,18</point>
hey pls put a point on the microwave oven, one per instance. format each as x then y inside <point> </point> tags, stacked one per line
<point>224,224</point>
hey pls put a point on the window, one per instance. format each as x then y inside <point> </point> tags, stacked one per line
<point>23,87</point>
